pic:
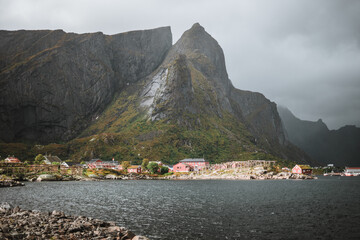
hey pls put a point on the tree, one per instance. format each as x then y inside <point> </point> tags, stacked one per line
<point>39,159</point>
<point>145,163</point>
<point>125,165</point>
<point>153,167</point>
<point>164,170</point>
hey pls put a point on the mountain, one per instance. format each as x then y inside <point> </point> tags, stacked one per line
<point>53,83</point>
<point>340,147</point>
<point>140,98</point>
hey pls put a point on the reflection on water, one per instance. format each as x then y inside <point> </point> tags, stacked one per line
<point>327,208</point>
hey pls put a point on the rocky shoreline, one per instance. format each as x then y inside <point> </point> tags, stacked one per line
<point>53,177</point>
<point>191,176</point>
<point>16,223</point>
<point>258,173</point>
<point>10,183</point>
<point>240,174</point>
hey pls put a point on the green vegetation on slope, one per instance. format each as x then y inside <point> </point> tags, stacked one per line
<point>124,132</point>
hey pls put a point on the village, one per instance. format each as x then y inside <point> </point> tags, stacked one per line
<point>50,168</point>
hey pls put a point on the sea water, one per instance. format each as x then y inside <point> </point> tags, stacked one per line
<point>325,208</point>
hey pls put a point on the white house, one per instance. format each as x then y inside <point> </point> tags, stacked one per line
<point>352,171</point>
<point>50,159</point>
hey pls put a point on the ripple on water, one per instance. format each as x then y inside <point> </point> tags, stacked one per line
<point>322,209</point>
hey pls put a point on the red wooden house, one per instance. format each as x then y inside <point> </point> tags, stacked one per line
<point>182,167</point>
<point>302,169</point>
<point>196,163</point>
<point>134,169</point>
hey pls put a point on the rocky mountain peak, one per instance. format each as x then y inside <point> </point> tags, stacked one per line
<point>197,29</point>
<point>322,144</point>
<point>202,50</point>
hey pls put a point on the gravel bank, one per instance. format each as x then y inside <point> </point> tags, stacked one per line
<point>16,223</point>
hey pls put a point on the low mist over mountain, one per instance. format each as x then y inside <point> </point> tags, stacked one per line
<point>132,96</point>
<point>340,147</point>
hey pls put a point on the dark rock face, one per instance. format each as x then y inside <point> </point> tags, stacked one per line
<point>340,147</point>
<point>261,115</point>
<point>206,56</point>
<point>52,83</point>
<point>198,45</point>
<point>193,78</point>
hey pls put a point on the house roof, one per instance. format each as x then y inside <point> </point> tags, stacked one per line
<point>304,166</point>
<point>134,166</point>
<point>53,159</point>
<point>11,158</point>
<point>110,162</point>
<point>73,164</point>
<point>158,162</point>
<point>94,160</point>
<point>182,164</point>
<point>193,160</point>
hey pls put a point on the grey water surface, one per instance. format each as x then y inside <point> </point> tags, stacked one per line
<point>326,208</point>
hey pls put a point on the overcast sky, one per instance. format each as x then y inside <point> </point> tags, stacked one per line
<point>303,54</point>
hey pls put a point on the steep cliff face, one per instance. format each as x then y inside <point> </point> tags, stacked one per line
<point>206,89</point>
<point>54,83</point>
<point>340,147</point>
<point>261,117</point>
<point>193,76</point>
<point>191,88</point>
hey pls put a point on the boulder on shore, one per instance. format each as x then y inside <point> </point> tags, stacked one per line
<point>46,177</point>
<point>111,176</point>
<point>11,183</point>
<point>4,206</point>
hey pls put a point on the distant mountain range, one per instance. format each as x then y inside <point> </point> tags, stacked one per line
<point>131,96</point>
<point>340,147</point>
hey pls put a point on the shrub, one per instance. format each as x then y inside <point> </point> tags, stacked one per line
<point>39,159</point>
<point>164,170</point>
<point>145,163</point>
<point>125,165</point>
<point>153,167</point>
